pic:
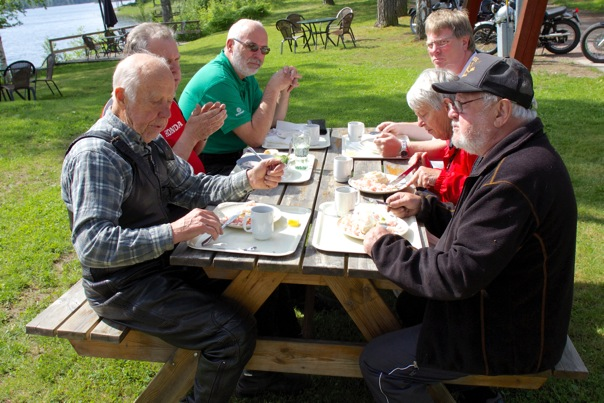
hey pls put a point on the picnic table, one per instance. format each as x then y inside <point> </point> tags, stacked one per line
<point>352,277</point>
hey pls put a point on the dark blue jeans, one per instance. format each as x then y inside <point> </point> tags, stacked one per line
<point>183,307</point>
<point>389,367</point>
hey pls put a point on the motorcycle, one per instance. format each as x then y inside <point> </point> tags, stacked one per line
<point>425,11</point>
<point>488,9</point>
<point>592,43</point>
<point>560,32</point>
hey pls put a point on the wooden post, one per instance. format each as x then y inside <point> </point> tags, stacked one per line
<point>527,31</point>
<point>473,6</point>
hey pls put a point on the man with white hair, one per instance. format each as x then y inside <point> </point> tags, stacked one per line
<point>117,180</point>
<point>499,282</point>
<point>229,79</point>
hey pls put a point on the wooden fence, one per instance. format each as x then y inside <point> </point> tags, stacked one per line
<point>71,44</point>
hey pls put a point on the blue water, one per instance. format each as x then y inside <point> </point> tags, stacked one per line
<point>26,41</point>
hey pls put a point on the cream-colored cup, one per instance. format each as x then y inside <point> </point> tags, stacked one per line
<point>262,222</point>
<point>346,200</point>
<point>342,168</point>
<point>315,133</point>
<point>355,131</point>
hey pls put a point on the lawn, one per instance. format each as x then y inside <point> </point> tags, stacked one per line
<point>366,83</point>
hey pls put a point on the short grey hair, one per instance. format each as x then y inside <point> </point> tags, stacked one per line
<point>133,70</point>
<point>242,27</point>
<point>139,37</point>
<point>518,111</point>
<point>421,92</point>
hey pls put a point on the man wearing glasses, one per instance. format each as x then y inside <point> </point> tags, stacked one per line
<point>499,282</point>
<point>229,79</point>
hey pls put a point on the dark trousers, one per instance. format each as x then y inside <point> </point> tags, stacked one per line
<point>181,306</point>
<point>389,367</point>
<point>220,164</point>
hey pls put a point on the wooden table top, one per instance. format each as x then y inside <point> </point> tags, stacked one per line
<point>306,259</point>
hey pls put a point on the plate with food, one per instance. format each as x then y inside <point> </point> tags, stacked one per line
<point>364,217</point>
<point>376,182</point>
<point>224,211</point>
<point>250,160</point>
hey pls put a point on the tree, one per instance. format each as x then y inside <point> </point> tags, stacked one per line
<point>330,2</point>
<point>166,10</point>
<point>387,14</point>
<point>9,13</point>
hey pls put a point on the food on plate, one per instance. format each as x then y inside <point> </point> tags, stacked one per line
<point>375,181</point>
<point>271,151</point>
<point>293,223</point>
<point>358,222</point>
<point>246,210</point>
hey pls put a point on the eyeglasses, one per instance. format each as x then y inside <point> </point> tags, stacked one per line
<point>459,105</point>
<point>440,43</point>
<point>253,47</point>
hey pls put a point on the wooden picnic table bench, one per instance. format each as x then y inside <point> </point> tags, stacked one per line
<point>71,317</point>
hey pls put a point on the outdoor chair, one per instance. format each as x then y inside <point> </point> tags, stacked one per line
<point>91,46</point>
<point>3,91</point>
<point>296,18</point>
<point>342,29</point>
<point>50,67</point>
<point>287,29</point>
<point>18,76</point>
<point>342,13</point>
<point>112,43</point>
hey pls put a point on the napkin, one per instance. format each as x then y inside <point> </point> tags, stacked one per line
<point>281,136</point>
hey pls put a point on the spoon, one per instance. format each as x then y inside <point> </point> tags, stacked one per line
<point>250,149</point>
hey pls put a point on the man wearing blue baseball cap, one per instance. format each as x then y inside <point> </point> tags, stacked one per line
<point>499,282</point>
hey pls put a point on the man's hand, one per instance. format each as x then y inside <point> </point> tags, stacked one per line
<point>372,236</point>
<point>267,174</point>
<point>404,204</point>
<point>206,119</point>
<point>424,177</point>
<point>285,79</point>
<point>196,222</point>
<point>388,144</point>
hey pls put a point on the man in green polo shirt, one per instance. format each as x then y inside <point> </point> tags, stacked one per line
<point>229,79</point>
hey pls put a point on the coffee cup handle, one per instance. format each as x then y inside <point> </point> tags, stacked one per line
<point>245,220</point>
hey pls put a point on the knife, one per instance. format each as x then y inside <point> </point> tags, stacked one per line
<point>224,225</point>
<point>405,173</point>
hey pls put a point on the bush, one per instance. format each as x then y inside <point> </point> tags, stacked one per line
<point>220,15</point>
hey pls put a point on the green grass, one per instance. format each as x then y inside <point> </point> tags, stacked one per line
<point>366,83</point>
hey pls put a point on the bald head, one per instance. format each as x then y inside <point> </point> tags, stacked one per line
<point>143,90</point>
<point>245,27</point>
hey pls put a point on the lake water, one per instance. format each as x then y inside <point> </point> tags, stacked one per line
<point>26,41</point>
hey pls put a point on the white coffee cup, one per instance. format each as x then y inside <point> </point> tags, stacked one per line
<point>342,168</point>
<point>346,200</point>
<point>315,133</point>
<point>262,225</point>
<point>355,130</point>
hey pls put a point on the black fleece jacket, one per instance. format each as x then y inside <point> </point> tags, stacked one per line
<point>500,280</point>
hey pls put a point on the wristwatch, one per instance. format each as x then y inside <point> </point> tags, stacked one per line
<point>404,153</point>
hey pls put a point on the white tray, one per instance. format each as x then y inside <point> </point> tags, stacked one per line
<point>281,141</point>
<point>291,175</point>
<point>364,149</point>
<point>284,242</point>
<point>327,237</point>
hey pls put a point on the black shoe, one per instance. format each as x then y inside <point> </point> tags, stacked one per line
<point>253,383</point>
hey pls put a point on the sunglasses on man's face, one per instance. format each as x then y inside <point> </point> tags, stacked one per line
<point>253,47</point>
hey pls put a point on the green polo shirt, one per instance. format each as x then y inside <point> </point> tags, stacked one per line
<point>217,81</point>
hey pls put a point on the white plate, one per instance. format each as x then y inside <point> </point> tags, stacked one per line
<point>369,215</point>
<point>291,175</point>
<point>389,190</point>
<point>228,209</point>
<point>364,149</point>
<point>250,160</point>
<point>281,139</point>
<point>326,239</point>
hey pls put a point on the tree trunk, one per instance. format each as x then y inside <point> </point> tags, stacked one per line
<point>330,2</point>
<point>3,62</point>
<point>421,13</point>
<point>401,8</point>
<point>386,13</point>
<point>166,10</point>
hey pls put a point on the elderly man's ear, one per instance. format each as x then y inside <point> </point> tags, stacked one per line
<point>120,95</point>
<point>503,112</point>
